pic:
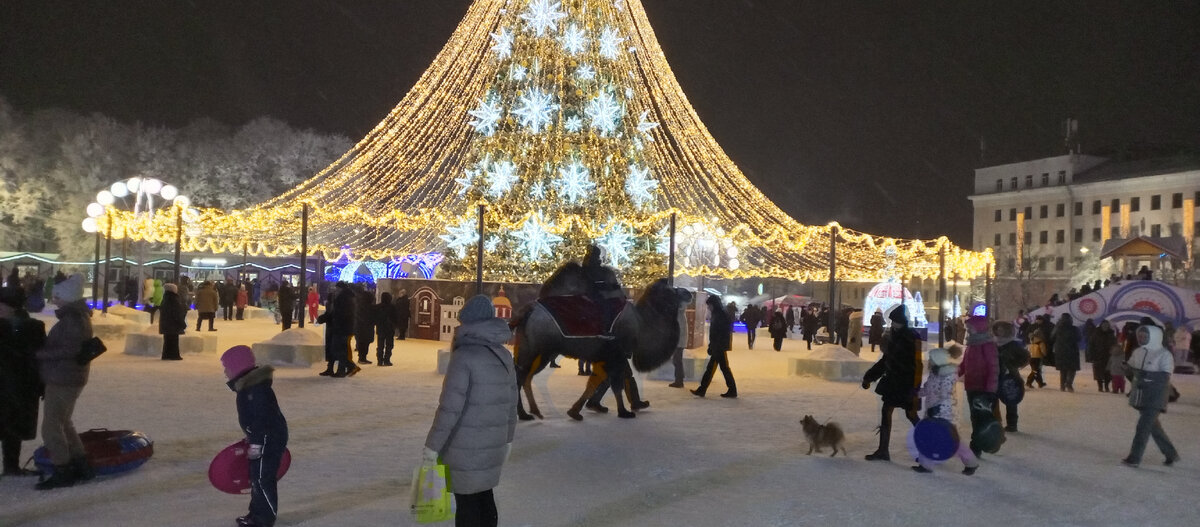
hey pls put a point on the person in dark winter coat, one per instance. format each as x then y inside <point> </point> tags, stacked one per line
<point>1066,352</point>
<point>266,431</point>
<point>1013,356</point>
<point>384,315</point>
<point>403,313</point>
<point>338,319</point>
<point>720,340</point>
<point>287,304</point>
<point>752,318</point>
<point>1152,364</point>
<point>172,322</point>
<point>364,326</point>
<point>899,373</point>
<point>1099,347</point>
<point>790,317</point>
<point>228,296</point>
<point>842,329</point>
<point>778,329</point>
<point>20,385</point>
<point>809,325</point>
<point>476,418</point>
<point>64,379</point>
<point>875,335</point>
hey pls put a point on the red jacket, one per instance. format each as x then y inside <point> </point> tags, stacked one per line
<point>980,367</point>
<point>313,300</point>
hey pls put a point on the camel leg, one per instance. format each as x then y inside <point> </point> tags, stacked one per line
<point>525,383</point>
<point>597,377</point>
<point>635,397</point>
<point>619,376</point>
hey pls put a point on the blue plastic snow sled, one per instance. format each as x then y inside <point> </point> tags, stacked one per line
<point>108,451</point>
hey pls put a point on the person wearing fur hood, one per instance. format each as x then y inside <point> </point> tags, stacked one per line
<point>938,396</point>
<point>472,431</point>
<point>1152,364</point>
<point>1013,356</point>
<point>980,370</point>
<point>899,373</point>
<point>266,431</point>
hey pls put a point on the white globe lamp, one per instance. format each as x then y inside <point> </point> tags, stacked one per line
<point>119,189</point>
<point>89,225</point>
<point>104,197</point>
<point>169,192</point>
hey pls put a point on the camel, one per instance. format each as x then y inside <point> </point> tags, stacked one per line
<point>647,330</point>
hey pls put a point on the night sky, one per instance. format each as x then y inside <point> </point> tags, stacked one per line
<point>867,113</point>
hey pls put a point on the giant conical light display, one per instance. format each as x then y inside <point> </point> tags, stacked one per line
<point>564,120</point>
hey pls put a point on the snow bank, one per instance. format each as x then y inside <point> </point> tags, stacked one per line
<point>298,336</point>
<point>833,353</point>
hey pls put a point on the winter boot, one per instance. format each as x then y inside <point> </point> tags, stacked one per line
<point>881,454</point>
<point>328,369</point>
<point>83,471</point>
<point>64,476</point>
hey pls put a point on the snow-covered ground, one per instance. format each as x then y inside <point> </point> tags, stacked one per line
<point>684,461</point>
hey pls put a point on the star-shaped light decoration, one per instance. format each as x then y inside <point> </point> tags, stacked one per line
<point>639,185</point>
<point>542,15</point>
<point>574,182</point>
<point>535,240</point>
<point>504,43</point>
<point>585,72</point>
<point>487,115</point>
<point>538,190</point>
<point>604,112</point>
<point>573,40</point>
<point>610,43</point>
<point>644,126</point>
<point>465,180</point>
<point>491,243</point>
<point>573,124</point>
<point>518,72</point>
<point>501,178</point>
<point>616,244</point>
<point>461,236</point>
<point>536,109</point>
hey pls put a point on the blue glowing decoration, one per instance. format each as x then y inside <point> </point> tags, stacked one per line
<point>980,310</point>
<point>347,269</point>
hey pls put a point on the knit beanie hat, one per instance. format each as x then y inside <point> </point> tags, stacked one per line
<point>977,324</point>
<point>939,357</point>
<point>899,315</point>
<point>237,360</point>
<point>479,307</point>
<point>69,290</point>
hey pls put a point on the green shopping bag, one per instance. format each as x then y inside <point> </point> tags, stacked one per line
<point>432,500</point>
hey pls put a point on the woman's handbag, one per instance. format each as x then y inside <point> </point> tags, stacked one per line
<point>432,500</point>
<point>90,349</point>
<point>1149,388</point>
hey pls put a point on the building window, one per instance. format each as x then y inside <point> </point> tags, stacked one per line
<point>1116,233</point>
<point>1078,238</point>
<point>1028,213</point>
<point>1156,230</point>
<point>1135,204</point>
<point>997,243</point>
<point>1196,198</point>
<point>1115,205</point>
<point>1176,229</point>
<point>1177,200</point>
<point>1012,183</point>
<point>1011,264</point>
<point>999,185</point>
<point>1096,234</point>
<point>1155,202</point>
<point>1012,214</point>
<point>1196,228</point>
<point>1058,263</point>
<point>998,215</point>
<point>1062,177</point>
<point>1012,238</point>
<point>1044,237</point>
<point>1060,236</point>
<point>1134,232</point>
<point>1045,180</point>
<point>1044,211</point>
<point>1060,210</point>
<point>1028,237</point>
<point>1028,181</point>
<point>1079,208</point>
<point>1096,207</point>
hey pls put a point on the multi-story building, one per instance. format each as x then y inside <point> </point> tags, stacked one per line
<point>1048,220</point>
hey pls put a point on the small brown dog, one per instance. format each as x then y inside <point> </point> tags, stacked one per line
<point>823,435</point>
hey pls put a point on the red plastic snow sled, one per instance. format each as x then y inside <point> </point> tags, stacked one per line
<point>108,451</point>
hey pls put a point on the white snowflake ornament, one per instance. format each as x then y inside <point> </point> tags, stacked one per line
<point>639,185</point>
<point>542,15</point>
<point>536,109</point>
<point>487,115</point>
<point>504,43</point>
<point>604,112</point>
<point>573,40</point>
<point>461,236</point>
<point>535,240</point>
<point>501,178</point>
<point>574,182</point>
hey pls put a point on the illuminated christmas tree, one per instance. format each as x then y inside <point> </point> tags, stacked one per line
<point>564,120</point>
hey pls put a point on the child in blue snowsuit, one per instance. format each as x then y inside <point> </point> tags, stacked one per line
<point>265,428</point>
